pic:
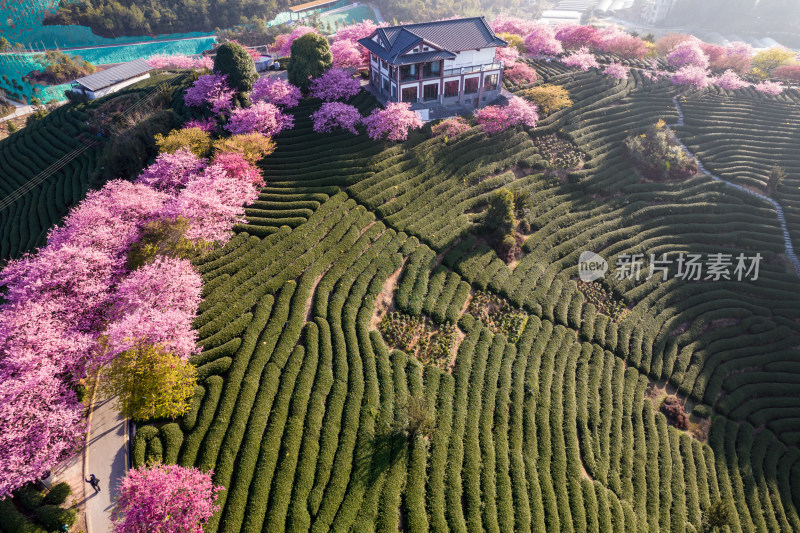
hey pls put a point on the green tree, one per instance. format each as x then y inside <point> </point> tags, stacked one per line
<point>164,237</point>
<point>310,57</point>
<point>776,175</point>
<point>232,59</point>
<point>500,215</point>
<point>716,517</point>
<point>149,382</point>
<point>59,67</point>
<point>414,418</point>
<point>5,46</point>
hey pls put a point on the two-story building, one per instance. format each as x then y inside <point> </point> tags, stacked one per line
<point>444,62</point>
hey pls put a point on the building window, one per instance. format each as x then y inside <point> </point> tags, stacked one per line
<point>430,92</point>
<point>373,57</point>
<point>490,82</point>
<point>394,92</point>
<point>410,94</point>
<point>471,85</point>
<point>431,69</point>
<point>375,75</point>
<point>451,88</point>
<point>385,84</point>
<point>384,64</point>
<point>409,72</point>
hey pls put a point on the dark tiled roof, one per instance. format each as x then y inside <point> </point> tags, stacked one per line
<point>108,77</point>
<point>450,35</point>
<point>422,57</point>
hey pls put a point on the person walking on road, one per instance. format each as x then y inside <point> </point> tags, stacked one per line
<point>94,482</point>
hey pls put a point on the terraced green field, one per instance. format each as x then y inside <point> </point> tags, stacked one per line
<point>553,426</point>
<point>63,135</point>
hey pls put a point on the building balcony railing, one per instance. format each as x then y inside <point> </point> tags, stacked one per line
<point>474,68</point>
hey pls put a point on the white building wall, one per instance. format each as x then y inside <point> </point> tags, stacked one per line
<point>468,58</point>
<point>116,87</point>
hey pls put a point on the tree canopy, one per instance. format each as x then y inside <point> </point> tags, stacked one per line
<point>150,383</point>
<point>232,59</point>
<point>311,57</point>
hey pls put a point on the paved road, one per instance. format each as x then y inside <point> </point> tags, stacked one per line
<point>107,458</point>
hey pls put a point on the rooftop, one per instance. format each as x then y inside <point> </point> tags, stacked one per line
<point>310,5</point>
<point>445,36</point>
<point>110,76</point>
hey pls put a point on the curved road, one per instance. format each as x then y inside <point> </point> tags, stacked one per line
<point>106,456</point>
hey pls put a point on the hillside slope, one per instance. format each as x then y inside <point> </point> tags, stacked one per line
<point>548,418</point>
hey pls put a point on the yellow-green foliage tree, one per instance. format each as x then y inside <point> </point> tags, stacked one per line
<point>196,140</point>
<point>164,237</point>
<point>253,146</point>
<point>549,98</point>
<point>766,61</point>
<point>149,382</point>
<point>514,40</point>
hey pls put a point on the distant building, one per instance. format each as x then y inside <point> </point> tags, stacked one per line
<point>656,11</point>
<point>112,79</point>
<point>560,16</point>
<point>445,62</point>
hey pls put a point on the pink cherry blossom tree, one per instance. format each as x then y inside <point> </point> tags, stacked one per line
<point>286,43</point>
<point>692,75</point>
<point>582,58</point>
<point>213,90</point>
<point>729,80</point>
<point>262,117</point>
<point>109,219</point>
<point>715,54</point>
<point>574,36</point>
<point>772,88</point>
<point>614,40</point>
<point>394,122</point>
<point>336,115</point>
<point>171,171</point>
<point>182,61</point>
<point>688,53</point>
<point>335,84</point>
<point>617,71</point>
<point>213,203</point>
<point>507,54</point>
<point>275,91</point>
<point>521,73</point>
<point>494,119</point>
<point>155,304</point>
<point>506,24</point>
<point>542,41</point>
<point>280,43</point>
<point>165,499</point>
<point>348,54</point>
<point>236,165</point>
<point>357,31</point>
<point>787,72</point>
<point>41,420</point>
<point>738,57</point>
<point>205,124</point>
<point>450,127</point>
